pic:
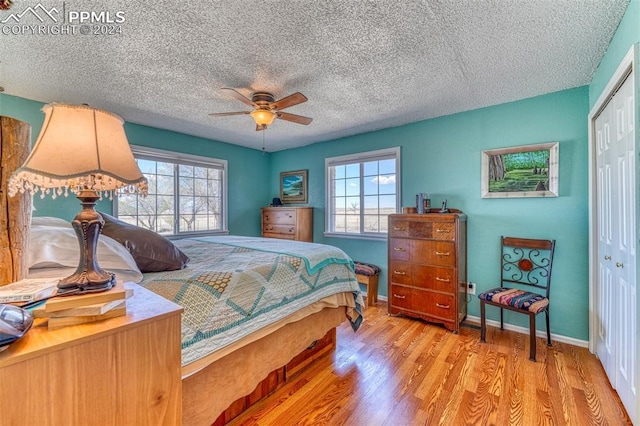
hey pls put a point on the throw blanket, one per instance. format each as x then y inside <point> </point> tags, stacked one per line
<point>233,286</point>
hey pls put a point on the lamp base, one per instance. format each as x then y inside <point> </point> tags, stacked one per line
<point>89,277</point>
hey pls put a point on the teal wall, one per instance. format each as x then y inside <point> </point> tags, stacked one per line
<point>247,168</point>
<point>442,156</point>
<point>626,35</point>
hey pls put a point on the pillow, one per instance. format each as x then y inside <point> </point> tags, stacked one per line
<point>57,247</point>
<point>151,251</point>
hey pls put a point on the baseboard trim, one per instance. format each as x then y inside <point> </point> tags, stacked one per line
<point>525,330</point>
<point>522,330</point>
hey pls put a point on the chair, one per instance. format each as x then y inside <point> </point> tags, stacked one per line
<point>524,263</point>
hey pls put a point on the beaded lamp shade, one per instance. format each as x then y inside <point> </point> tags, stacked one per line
<point>83,150</point>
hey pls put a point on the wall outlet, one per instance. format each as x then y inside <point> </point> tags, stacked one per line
<point>471,288</point>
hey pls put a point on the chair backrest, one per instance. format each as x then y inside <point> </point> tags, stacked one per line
<point>527,262</point>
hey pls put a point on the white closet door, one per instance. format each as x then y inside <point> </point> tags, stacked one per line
<point>624,256</point>
<point>606,268</point>
<point>616,286</point>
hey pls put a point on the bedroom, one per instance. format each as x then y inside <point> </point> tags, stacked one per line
<point>428,150</point>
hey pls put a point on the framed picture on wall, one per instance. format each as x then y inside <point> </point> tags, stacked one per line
<point>522,171</point>
<point>293,187</point>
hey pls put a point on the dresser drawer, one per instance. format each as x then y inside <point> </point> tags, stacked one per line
<point>398,228</point>
<point>443,231</point>
<point>434,253</point>
<point>407,298</point>
<point>280,217</point>
<point>433,278</point>
<point>423,301</point>
<point>440,305</point>
<point>400,272</point>
<point>399,249</point>
<point>279,229</point>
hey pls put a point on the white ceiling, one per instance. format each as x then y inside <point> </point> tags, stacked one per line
<point>364,65</point>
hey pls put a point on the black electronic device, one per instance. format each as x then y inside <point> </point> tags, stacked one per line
<point>276,202</point>
<point>444,208</point>
<point>14,323</point>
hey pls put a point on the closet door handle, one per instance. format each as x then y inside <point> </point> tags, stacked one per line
<point>619,265</point>
<point>607,257</point>
<point>444,280</point>
<point>399,296</point>
<point>439,305</point>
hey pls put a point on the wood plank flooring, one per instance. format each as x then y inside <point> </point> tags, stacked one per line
<point>400,371</point>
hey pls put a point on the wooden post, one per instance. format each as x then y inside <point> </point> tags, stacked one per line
<point>15,212</point>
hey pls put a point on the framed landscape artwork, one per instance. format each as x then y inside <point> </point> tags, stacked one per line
<point>293,186</point>
<point>522,171</point>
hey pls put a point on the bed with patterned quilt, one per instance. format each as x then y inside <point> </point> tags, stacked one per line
<point>240,292</point>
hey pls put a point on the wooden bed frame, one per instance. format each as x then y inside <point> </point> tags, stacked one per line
<point>204,399</point>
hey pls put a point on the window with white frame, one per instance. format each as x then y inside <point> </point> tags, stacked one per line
<point>187,194</point>
<point>362,191</point>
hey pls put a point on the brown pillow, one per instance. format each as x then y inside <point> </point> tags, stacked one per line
<point>151,251</point>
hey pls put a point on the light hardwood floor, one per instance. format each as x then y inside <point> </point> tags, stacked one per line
<point>400,371</point>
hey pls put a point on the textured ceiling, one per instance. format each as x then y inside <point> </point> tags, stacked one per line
<point>364,65</point>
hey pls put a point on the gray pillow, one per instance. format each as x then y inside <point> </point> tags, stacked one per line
<point>151,251</point>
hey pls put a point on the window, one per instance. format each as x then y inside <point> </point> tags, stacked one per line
<point>362,190</point>
<point>187,194</point>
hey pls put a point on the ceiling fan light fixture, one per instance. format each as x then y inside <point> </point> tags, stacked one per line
<point>263,117</point>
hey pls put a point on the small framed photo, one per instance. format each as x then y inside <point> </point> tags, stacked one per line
<point>293,187</point>
<point>522,171</point>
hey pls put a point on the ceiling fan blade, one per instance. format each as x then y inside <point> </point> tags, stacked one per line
<point>224,114</point>
<point>294,118</point>
<point>239,96</point>
<point>261,127</point>
<point>288,101</point>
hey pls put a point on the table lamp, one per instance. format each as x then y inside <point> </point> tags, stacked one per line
<point>83,150</point>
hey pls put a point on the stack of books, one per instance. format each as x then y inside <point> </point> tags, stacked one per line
<point>74,310</point>
<point>28,291</point>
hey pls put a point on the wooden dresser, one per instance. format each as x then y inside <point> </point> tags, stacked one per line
<point>289,223</point>
<point>123,370</point>
<point>428,266</point>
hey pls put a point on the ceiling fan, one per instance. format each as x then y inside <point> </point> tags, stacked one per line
<point>267,109</point>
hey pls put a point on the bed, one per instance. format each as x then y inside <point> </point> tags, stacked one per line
<point>252,306</point>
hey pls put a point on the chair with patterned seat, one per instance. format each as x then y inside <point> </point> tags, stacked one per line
<point>525,263</point>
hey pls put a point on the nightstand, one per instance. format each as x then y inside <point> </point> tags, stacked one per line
<point>123,370</point>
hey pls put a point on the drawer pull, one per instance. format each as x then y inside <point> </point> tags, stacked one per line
<point>443,231</point>
<point>399,296</point>
<point>439,253</point>
<point>439,305</point>
<point>399,249</point>
<point>395,228</point>
<point>399,272</point>
<point>444,280</point>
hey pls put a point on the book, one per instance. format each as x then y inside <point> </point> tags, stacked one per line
<point>118,311</point>
<point>80,311</point>
<point>28,290</point>
<point>118,292</point>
